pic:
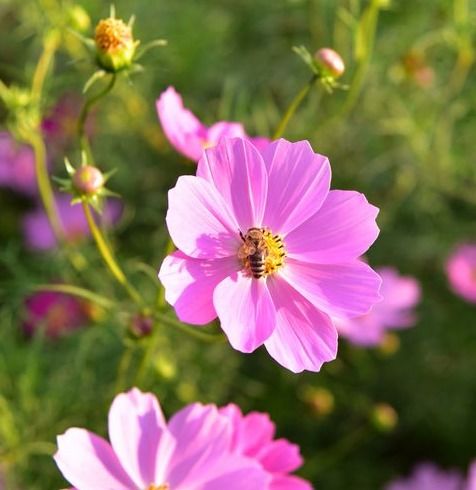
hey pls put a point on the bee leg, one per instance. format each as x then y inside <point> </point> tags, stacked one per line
<point>242,236</point>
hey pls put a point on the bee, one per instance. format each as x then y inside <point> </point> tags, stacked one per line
<point>254,250</point>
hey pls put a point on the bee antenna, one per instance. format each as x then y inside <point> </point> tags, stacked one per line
<point>241,235</point>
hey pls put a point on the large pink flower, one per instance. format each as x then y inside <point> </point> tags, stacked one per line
<point>461,271</point>
<point>253,436</point>
<point>305,262</point>
<point>427,476</point>
<point>190,452</point>
<point>187,134</point>
<point>39,235</point>
<point>400,295</point>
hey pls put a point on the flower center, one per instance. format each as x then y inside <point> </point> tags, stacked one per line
<point>165,486</point>
<point>261,253</point>
<point>112,34</point>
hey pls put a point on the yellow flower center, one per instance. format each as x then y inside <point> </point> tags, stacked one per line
<point>165,486</point>
<point>261,252</point>
<point>112,34</point>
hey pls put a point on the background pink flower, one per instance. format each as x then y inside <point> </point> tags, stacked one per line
<point>17,166</point>
<point>461,271</point>
<point>187,134</point>
<point>56,313</point>
<point>400,295</point>
<point>190,452</point>
<point>253,436</point>
<point>39,235</point>
<point>471,482</point>
<point>284,189</point>
<point>427,476</point>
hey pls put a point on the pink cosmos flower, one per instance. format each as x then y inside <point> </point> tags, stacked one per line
<point>265,246</point>
<point>400,295</point>
<point>471,482</point>
<point>39,235</point>
<point>190,452</point>
<point>461,271</point>
<point>187,134</point>
<point>56,313</point>
<point>253,436</point>
<point>17,166</point>
<point>427,476</point>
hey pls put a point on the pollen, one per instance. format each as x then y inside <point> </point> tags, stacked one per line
<point>159,487</point>
<point>261,252</point>
<point>112,35</point>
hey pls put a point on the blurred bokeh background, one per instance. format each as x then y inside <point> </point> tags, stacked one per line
<point>403,133</point>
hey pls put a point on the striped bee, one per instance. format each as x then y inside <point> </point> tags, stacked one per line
<point>254,250</point>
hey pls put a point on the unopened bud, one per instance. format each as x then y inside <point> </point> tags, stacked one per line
<point>114,44</point>
<point>79,18</point>
<point>384,417</point>
<point>330,62</point>
<point>390,344</point>
<point>320,400</point>
<point>88,180</point>
<point>142,325</point>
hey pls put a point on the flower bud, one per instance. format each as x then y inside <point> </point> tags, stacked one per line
<point>88,180</point>
<point>115,45</point>
<point>320,400</point>
<point>384,417</point>
<point>330,62</point>
<point>142,325</point>
<point>79,18</point>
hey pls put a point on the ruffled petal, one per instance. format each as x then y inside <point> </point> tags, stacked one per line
<point>184,131</point>
<point>189,284</point>
<point>136,426</point>
<point>342,230</point>
<point>245,310</point>
<point>289,482</point>
<point>88,462</point>
<point>203,437</point>
<point>280,456</point>
<point>340,290</point>
<point>304,337</point>
<point>299,181</point>
<point>224,129</point>
<point>236,169</point>
<point>199,221</point>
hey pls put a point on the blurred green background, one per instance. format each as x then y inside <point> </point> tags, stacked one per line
<point>403,134</point>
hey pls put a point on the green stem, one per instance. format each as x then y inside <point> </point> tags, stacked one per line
<point>44,185</point>
<point>88,105</point>
<point>293,106</point>
<point>78,292</point>
<point>193,331</point>
<point>50,45</point>
<point>108,256</point>
<point>161,294</point>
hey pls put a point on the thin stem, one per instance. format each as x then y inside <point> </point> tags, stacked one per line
<point>50,45</point>
<point>78,292</point>
<point>108,256</point>
<point>88,105</point>
<point>44,185</point>
<point>193,331</point>
<point>293,106</point>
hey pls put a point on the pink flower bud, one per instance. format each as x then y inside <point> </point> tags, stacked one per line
<point>330,62</point>
<point>88,180</point>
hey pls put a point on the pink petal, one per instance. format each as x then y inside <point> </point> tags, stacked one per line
<point>280,456</point>
<point>235,473</point>
<point>398,291</point>
<point>299,181</point>
<point>136,427</point>
<point>286,482</point>
<point>341,290</point>
<point>189,284</point>
<point>202,438</point>
<point>184,131</point>
<point>224,129</point>
<point>366,331</point>
<point>236,169</point>
<point>251,432</point>
<point>304,337</point>
<point>88,462</point>
<point>342,230</point>
<point>199,222</point>
<point>245,310</point>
